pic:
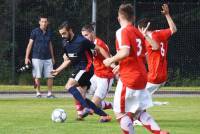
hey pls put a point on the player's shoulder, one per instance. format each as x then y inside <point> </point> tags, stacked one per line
<point>99,41</point>
<point>137,32</point>
<point>122,30</point>
<point>37,29</point>
<point>130,29</point>
<point>119,30</point>
<point>79,38</point>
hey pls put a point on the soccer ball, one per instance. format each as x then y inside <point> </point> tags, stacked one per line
<point>58,115</point>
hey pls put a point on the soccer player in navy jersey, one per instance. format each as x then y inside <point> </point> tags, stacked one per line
<point>78,53</point>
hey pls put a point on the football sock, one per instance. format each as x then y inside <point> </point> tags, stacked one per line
<point>77,95</point>
<point>79,108</point>
<point>96,110</point>
<point>149,123</point>
<point>126,125</point>
<point>106,105</point>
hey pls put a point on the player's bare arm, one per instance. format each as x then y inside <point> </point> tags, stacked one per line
<point>65,63</point>
<point>65,57</point>
<point>102,51</point>
<point>121,54</point>
<point>105,54</point>
<point>28,51</point>
<point>165,11</point>
<point>153,43</point>
<point>52,54</point>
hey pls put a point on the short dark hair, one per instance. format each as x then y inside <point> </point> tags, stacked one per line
<point>66,25</point>
<point>89,27</point>
<point>42,16</point>
<point>127,10</point>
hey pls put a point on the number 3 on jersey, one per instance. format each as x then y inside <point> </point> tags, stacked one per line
<point>162,49</point>
<point>139,45</point>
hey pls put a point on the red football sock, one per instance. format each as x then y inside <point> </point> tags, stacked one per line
<point>79,108</point>
<point>106,105</point>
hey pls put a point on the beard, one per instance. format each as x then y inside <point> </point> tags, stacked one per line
<point>67,38</point>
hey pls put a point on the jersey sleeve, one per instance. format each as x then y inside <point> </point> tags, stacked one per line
<point>33,35</point>
<point>123,38</point>
<point>103,45</point>
<point>165,34</point>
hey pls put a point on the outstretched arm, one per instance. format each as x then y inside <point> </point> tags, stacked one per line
<point>65,63</point>
<point>165,11</point>
<point>121,54</point>
<point>153,43</point>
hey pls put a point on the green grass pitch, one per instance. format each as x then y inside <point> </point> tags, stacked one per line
<point>32,116</point>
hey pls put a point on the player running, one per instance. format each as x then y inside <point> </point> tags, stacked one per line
<point>131,99</point>
<point>101,81</point>
<point>157,56</point>
<point>78,53</point>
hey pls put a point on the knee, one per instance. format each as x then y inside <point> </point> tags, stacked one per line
<point>68,86</point>
<point>96,101</point>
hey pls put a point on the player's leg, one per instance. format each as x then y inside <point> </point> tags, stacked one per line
<point>106,104</point>
<point>71,87</point>
<point>84,82</point>
<point>78,106</point>
<point>152,88</point>
<point>119,108</point>
<point>37,73</point>
<point>145,99</point>
<point>48,67</point>
<point>125,122</point>
<point>102,89</point>
<point>149,123</point>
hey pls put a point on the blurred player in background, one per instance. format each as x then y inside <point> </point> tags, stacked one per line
<point>42,55</point>
<point>131,99</point>
<point>101,81</point>
<point>157,56</point>
<point>78,53</point>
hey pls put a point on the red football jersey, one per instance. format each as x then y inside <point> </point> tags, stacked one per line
<point>100,69</point>
<point>131,73</point>
<point>141,48</point>
<point>157,59</point>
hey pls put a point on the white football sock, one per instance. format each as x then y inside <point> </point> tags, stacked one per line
<point>148,122</point>
<point>126,125</point>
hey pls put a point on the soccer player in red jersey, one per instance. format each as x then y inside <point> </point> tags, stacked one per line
<point>131,99</point>
<point>157,58</point>
<point>103,77</point>
<point>101,81</point>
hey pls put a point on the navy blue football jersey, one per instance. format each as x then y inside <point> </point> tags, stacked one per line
<point>79,52</point>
